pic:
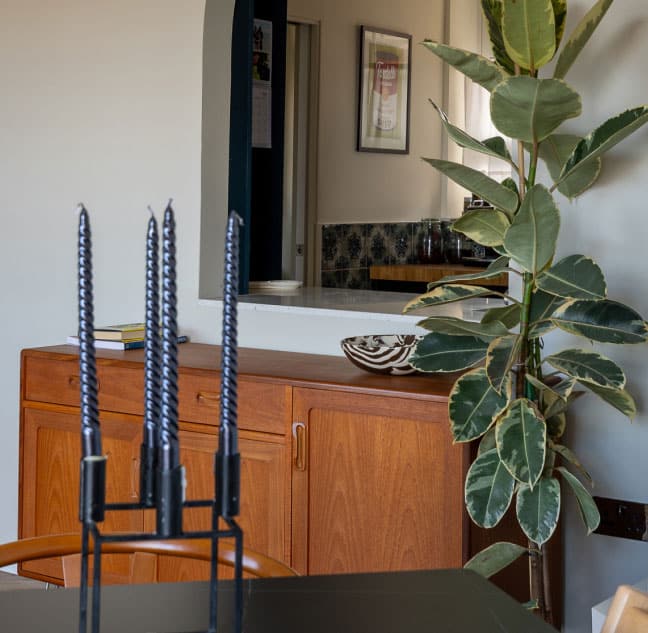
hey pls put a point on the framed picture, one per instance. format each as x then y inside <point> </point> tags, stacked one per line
<point>383,101</point>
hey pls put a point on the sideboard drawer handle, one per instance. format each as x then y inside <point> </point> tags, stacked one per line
<point>75,381</point>
<point>210,399</point>
<point>299,433</point>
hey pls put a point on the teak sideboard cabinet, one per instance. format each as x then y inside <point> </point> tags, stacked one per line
<point>342,470</point>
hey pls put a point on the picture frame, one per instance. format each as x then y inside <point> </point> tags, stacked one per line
<point>384,91</point>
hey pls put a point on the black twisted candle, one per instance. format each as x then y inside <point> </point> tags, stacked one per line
<point>151,368</point>
<point>90,431</point>
<point>227,458</point>
<point>169,453</point>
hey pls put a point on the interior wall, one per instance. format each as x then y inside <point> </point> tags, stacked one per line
<point>362,186</point>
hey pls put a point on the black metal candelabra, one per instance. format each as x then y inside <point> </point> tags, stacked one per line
<point>161,476</point>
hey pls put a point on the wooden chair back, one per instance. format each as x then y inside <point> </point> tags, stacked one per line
<point>143,568</point>
<point>628,612</point>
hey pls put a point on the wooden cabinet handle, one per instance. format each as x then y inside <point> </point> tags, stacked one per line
<point>134,477</point>
<point>75,381</point>
<point>299,433</point>
<point>208,398</point>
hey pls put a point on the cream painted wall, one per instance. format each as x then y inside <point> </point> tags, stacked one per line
<point>358,186</point>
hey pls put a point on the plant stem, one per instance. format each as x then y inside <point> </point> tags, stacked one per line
<point>523,358</point>
<point>546,578</point>
<point>536,581</point>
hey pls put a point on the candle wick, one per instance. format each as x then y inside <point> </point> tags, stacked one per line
<point>237,217</point>
<point>151,210</point>
<point>80,208</point>
<point>170,202</point>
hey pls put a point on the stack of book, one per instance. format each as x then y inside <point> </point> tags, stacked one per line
<point>121,336</point>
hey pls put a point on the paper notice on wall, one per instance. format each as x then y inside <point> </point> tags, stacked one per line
<point>262,84</point>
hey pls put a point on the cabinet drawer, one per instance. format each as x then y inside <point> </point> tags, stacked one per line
<point>261,406</point>
<point>57,381</point>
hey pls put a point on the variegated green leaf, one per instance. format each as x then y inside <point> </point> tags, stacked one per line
<point>489,490</point>
<point>604,321</point>
<point>586,505</point>
<point>446,294</point>
<point>477,68</point>
<point>543,305</point>
<point>474,405</point>
<point>620,399</point>
<point>494,558</point>
<point>501,356</point>
<point>580,37</point>
<point>530,109</point>
<point>531,239</point>
<point>555,405</point>
<point>556,426</point>
<point>459,327</point>
<point>521,435</point>
<point>484,226</point>
<point>574,277</point>
<point>603,138</point>
<point>569,456</point>
<point>494,269</point>
<point>560,16</point>
<point>529,30</point>
<point>560,390</point>
<point>508,315</point>
<point>487,441</point>
<point>538,509</point>
<point>588,366</point>
<point>554,151</point>
<point>445,353</point>
<point>478,183</point>
<point>493,10</point>
<point>496,147</point>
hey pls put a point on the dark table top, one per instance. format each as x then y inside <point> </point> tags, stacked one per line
<point>440,601</point>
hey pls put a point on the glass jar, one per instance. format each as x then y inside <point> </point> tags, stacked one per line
<point>430,246</point>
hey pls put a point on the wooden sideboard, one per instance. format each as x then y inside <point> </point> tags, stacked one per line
<point>426,273</point>
<point>342,470</point>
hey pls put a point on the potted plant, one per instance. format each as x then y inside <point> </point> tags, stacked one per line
<point>513,398</point>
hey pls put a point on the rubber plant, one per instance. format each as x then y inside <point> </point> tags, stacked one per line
<point>513,399</point>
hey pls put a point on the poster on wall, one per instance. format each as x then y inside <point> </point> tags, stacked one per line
<point>262,84</point>
<point>383,117</point>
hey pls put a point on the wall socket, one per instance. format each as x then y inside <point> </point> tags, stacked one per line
<point>625,519</point>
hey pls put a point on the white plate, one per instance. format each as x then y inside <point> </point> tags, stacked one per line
<point>276,284</point>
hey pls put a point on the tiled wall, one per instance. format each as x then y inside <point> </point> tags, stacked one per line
<point>349,249</point>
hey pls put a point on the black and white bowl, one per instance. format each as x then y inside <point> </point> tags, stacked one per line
<point>382,353</point>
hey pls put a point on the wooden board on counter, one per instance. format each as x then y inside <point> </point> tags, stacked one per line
<point>433,272</point>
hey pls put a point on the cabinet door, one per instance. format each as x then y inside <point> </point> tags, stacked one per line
<point>377,484</point>
<point>265,498</point>
<point>51,454</point>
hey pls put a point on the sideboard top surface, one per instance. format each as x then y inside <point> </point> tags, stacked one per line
<point>309,370</point>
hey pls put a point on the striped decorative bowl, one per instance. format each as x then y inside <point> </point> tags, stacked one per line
<point>382,353</point>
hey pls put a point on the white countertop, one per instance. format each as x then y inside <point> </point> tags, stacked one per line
<point>364,304</point>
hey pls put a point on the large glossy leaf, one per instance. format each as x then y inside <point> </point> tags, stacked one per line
<point>521,435</point>
<point>529,31</point>
<point>493,10</point>
<point>459,327</point>
<point>575,277</point>
<point>568,456</point>
<point>476,67</point>
<point>620,399</point>
<point>586,505</point>
<point>603,138</point>
<point>502,354</point>
<point>484,226</point>
<point>446,353</point>
<point>474,405</point>
<point>554,151</point>
<point>588,366</point>
<point>475,181</point>
<point>543,305</point>
<point>494,558</point>
<point>580,37</point>
<point>494,147</point>
<point>487,441</point>
<point>561,390</point>
<point>508,315</point>
<point>489,490</point>
<point>555,405</point>
<point>604,321</point>
<point>494,269</point>
<point>530,109</point>
<point>556,426</point>
<point>560,17</point>
<point>538,509</point>
<point>531,238</point>
<point>446,294</point>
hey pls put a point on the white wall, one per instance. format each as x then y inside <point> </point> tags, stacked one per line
<point>368,187</point>
<point>610,224</point>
